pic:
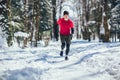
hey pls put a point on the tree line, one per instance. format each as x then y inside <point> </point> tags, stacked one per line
<point>94,13</point>
<point>38,19</point>
<point>34,17</point>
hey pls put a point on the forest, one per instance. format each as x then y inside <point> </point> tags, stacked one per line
<point>30,21</point>
<point>32,47</point>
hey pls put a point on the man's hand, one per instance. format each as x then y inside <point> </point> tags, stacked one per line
<point>72,32</point>
<point>71,35</point>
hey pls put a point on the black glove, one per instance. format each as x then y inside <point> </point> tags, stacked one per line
<point>71,35</point>
<point>72,32</point>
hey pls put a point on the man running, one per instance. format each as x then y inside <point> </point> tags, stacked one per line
<point>66,31</point>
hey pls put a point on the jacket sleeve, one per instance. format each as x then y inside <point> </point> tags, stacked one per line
<point>71,24</point>
<point>72,30</point>
<point>59,21</point>
<point>72,27</point>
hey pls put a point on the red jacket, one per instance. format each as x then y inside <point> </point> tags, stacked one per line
<point>65,26</point>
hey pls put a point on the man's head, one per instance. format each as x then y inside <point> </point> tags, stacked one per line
<point>65,15</point>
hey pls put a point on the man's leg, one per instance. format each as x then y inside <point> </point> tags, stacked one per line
<point>68,42</point>
<point>62,48</point>
<point>67,49</point>
<point>62,44</point>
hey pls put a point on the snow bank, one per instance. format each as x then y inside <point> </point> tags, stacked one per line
<point>87,61</point>
<point>24,74</point>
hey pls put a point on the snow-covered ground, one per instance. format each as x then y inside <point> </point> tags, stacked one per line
<point>87,61</point>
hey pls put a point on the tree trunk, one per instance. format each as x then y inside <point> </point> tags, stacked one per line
<point>55,26</point>
<point>60,10</point>
<point>37,8</point>
<point>77,31</point>
<point>10,30</point>
<point>78,27</point>
<point>85,19</point>
<point>26,24</point>
<point>107,32</point>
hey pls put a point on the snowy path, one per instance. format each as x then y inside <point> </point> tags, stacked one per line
<point>87,61</point>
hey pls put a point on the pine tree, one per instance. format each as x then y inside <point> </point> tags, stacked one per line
<point>12,21</point>
<point>3,16</point>
<point>115,15</point>
<point>115,19</point>
<point>45,12</point>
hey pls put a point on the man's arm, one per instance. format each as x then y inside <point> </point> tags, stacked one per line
<point>72,30</point>
<point>59,21</point>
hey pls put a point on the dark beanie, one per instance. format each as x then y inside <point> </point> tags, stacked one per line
<point>65,13</point>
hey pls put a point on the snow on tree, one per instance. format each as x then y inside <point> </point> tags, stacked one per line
<point>115,16</point>
<point>115,19</point>
<point>3,15</point>
<point>46,15</point>
<point>3,42</point>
